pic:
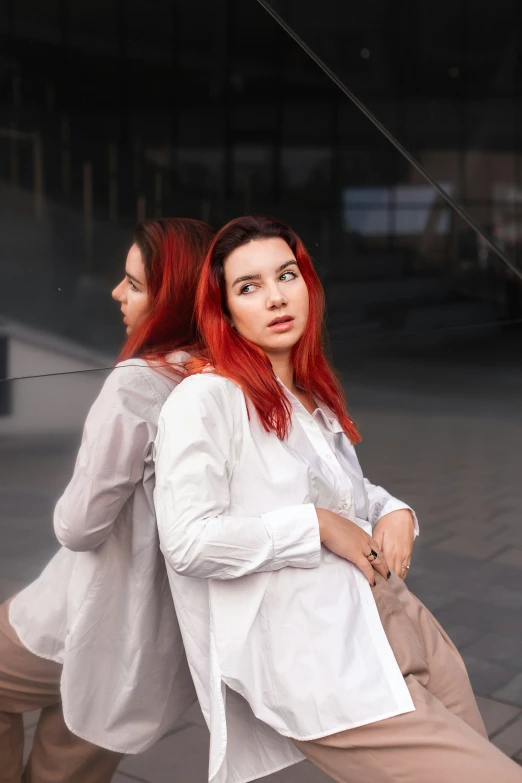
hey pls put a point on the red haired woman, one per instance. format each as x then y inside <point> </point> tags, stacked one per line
<point>301,641</point>
<point>94,642</point>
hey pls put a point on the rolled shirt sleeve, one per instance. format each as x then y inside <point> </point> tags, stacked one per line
<point>382,503</point>
<point>195,456</point>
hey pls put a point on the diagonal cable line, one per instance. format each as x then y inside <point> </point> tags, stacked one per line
<point>333,339</point>
<point>391,138</point>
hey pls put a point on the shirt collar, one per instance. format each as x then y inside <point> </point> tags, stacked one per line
<point>322,411</point>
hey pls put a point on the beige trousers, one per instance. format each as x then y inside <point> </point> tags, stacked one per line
<point>444,739</point>
<point>27,683</point>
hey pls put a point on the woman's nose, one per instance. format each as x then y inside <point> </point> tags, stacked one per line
<point>276,298</point>
<point>117,293</point>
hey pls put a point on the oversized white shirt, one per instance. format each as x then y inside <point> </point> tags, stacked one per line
<point>283,637</point>
<point>104,610</point>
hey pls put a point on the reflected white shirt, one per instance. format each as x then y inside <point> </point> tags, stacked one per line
<point>283,637</point>
<point>104,610</point>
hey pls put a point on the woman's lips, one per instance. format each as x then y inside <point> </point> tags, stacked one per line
<point>281,325</point>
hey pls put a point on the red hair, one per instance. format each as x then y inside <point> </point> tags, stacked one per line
<point>243,362</point>
<point>173,251</point>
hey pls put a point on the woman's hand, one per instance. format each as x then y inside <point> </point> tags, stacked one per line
<point>348,540</point>
<point>395,534</point>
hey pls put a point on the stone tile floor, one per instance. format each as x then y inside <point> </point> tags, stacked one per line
<point>444,435</point>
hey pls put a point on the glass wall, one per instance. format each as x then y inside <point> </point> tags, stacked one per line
<point>212,110</point>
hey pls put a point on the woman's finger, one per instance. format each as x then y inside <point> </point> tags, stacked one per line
<point>366,567</point>
<point>405,567</point>
<point>378,561</point>
<point>381,566</point>
<point>378,538</point>
<point>398,557</point>
<point>396,562</point>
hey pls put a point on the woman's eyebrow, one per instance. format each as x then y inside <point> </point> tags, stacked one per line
<point>245,278</point>
<point>287,263</point>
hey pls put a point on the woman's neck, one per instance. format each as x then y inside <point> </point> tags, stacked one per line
<point>283,368</point>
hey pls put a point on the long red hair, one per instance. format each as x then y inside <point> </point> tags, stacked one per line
<point>173,251</point>
<point>243,362</point>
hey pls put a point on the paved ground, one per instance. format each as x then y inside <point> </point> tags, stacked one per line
<point>441,430</point>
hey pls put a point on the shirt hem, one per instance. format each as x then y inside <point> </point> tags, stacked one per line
<point>27,646</point>
<point>124,752</point>
<point>268,772</point>
<point>347,727</point>
<point>102,744</point>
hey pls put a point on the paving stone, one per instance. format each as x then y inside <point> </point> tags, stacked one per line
<point>433,533</point>
<point>433,598</point>
<point>499,649</point>
<point>495,714</point>
<point>512,557</point>
<point>486,677</point>
<point>182,756</point>
<point>193,715</point>
<point>496,594</point>
<point>509,739</point>
<point>478,548</point>
<point>505,575</point>
<point>8,587</point>
<point>511,691</point>
<point>461,636</point>
<point>511,535</point>
<point>441,562</point>
<point>481,616</point>
<point>476,528</point>
<point>304,772</point>
<point>31,719</point>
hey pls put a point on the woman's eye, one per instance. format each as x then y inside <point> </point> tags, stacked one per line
<point>132,285</point>
<point>247,289</point>
<point>284,276</point>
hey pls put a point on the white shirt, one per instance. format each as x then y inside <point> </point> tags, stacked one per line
<point>104,610</point>
<point>283,637</point>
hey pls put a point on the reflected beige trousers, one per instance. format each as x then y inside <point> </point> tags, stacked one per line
<point>27,683</point>
<point>444,739</point>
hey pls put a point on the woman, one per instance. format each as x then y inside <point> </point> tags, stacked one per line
<point>100,618</point>
<point>301,641</point>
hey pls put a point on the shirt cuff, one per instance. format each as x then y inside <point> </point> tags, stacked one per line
<point>396,505</point>
<point>295,535</point>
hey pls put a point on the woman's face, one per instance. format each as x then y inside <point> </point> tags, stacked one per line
<point>266,295</point>
<point>132,293</point>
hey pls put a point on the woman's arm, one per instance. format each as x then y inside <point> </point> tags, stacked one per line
<point>117,435</point>
<point>395,527</point>
<point>195,455</point>
<point>382,503</point>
